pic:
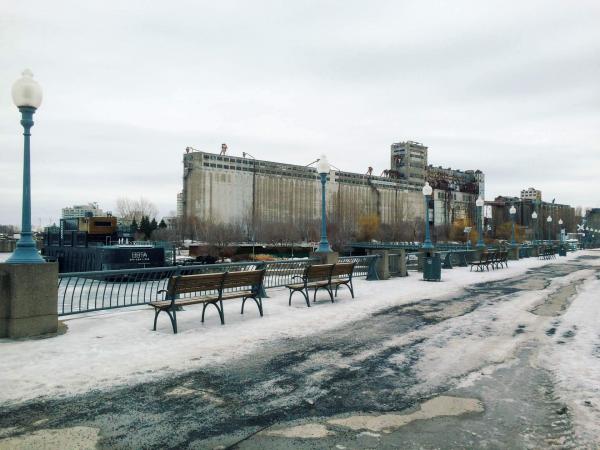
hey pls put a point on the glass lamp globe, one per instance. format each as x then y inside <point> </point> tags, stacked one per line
<point>479,203</point>
<point>534,215</point>
<point>513,210</point>
<point>323,165</point>
<point>26,91</point>
<point>560,221</point>
<point>427,189</point>
<point>549,219</point>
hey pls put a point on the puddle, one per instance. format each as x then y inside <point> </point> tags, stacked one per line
<point>81,438</point>
<point>182,391</point>
<point>436,407</point>
<point>558,301</point>
<point>308,431</point>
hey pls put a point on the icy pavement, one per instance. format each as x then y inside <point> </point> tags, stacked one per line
<point>512,361</point>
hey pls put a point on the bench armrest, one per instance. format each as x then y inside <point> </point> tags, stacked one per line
<point>161,291</point>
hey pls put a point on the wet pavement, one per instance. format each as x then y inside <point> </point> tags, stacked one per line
<point>370,384</point>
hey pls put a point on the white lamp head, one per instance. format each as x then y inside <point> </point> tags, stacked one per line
<point>534,215</point>
<point>323,165</point>
<point>479,203</point>
<point>427,189</point>
<point>560,221</point>
<point>26,91</point>
<point>513,210</point>
<point>549,219</point>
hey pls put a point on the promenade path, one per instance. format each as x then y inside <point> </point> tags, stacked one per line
<point>502,359</point>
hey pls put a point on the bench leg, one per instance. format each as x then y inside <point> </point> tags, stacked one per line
<point>173,318</point>
<point>156,313</point>
<point>257,301</point>
<point>328,288</point>
<point>259,304</point>
<point>305,295</point>
<point>220,310</point>
<point>351,288</point>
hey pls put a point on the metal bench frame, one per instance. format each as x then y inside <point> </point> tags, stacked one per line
<point>323,276</point>
<point>205,283</point>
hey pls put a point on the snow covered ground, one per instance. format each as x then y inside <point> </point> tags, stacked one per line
<point>111,348</point>
<point>573,355</point>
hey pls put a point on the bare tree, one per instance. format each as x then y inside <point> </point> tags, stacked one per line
<point>129,209</point>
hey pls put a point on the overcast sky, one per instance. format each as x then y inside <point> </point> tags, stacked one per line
<point>508,87</point>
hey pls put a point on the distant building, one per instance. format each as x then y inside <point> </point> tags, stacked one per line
<point>76,211</point>
<point>256,194</point>
<point>180,204</point>
<point>409,162</point>
<point>535,229</point>
<point>531,194</point>
<point>253,193</point>
<point>455,193</point>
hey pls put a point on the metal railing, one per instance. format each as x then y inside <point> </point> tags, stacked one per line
<point>92,291</point>
<point>364,264</point>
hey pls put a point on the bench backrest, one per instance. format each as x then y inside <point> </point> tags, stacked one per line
<point>343,269</point>
<point>318,272</point>
<point>244,278</point>
<point>184,284</point>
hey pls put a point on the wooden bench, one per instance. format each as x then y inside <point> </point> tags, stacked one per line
<point>547,253</point>
<point>483,263</point>
<point>209,289</point>
<point>323,276</point>
<point>341,275</point>
<point>499,260</point>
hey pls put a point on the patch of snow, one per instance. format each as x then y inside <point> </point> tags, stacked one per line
<point>572,354</point>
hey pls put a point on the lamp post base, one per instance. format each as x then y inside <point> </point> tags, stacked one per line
<point>25,253</point>
<point>324,247</point>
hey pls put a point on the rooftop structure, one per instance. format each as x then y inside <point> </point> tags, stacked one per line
<point>531,194</point>
<point>76,211</point>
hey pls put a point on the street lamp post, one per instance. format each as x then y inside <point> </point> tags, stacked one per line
<point>560,223</point>
<point>27,96</point>
<point>479,203</point>
<point>549,220</point>
<point>323,168</point>
<point>427,191</point>
<point>534,217</point>
<point>512,212</point>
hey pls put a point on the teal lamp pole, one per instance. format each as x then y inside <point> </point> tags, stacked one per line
<point>512,212</point>
<point>560,223</point>
<point>479,203</point>
<point>549,220</point>
<point>27,96</point>
<point>323,168</point>
<point>534,217</point>
<point>427,191</point>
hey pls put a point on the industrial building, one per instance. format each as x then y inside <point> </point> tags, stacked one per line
<point>531,194</point>
<point>539,228</point>
<point>455,193</point>
<point>241,190</point>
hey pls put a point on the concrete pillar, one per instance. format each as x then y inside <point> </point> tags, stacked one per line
<point>28,299</point>
<point>326,257</point>
<point>383,263</point>
<point>402,263</point>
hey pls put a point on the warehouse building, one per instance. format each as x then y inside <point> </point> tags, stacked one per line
<point>250,192</point>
